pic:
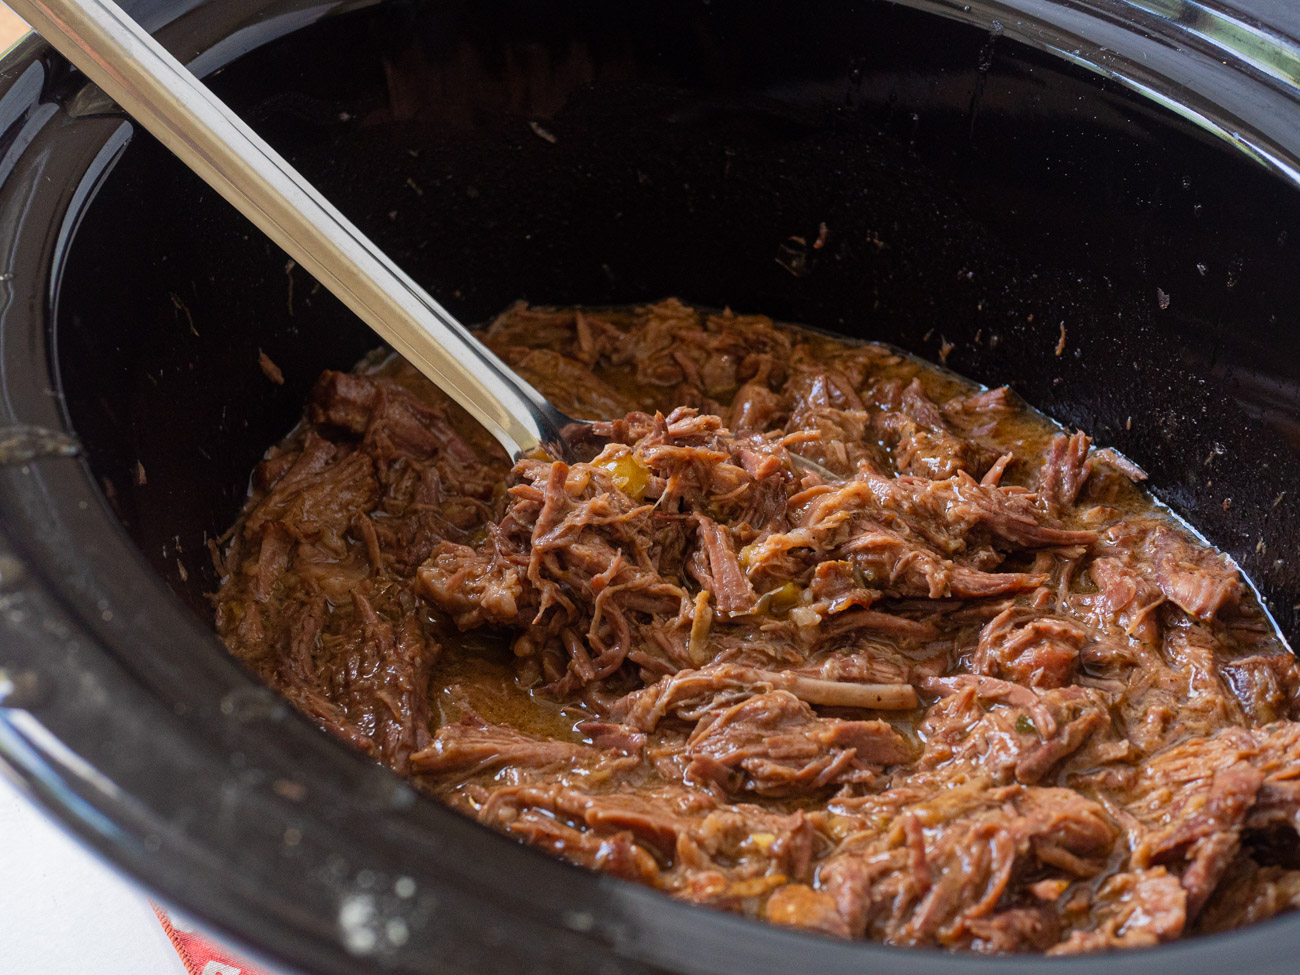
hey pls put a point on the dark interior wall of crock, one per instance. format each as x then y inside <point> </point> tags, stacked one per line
<point>980,200</point>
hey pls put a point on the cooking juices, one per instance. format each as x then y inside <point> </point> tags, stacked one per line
<point>822,635</point>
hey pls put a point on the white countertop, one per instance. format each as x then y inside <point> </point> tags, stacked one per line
<point>64,912</point>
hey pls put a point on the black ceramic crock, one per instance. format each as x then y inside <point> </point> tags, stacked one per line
<point>1093,201</point>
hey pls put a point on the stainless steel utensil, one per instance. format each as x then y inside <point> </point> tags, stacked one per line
<point>164,97</point>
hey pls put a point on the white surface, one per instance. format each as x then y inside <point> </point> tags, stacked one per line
<point>63,912</point>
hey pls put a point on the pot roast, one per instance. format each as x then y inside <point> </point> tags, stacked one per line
<point>958,683</point>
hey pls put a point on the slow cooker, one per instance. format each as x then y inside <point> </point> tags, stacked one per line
<point>1095,201</point>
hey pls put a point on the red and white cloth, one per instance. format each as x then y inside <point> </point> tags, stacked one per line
<point>199,955</point>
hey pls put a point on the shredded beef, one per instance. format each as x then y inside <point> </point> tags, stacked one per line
<point>774,744</point>
<point>956,683</point>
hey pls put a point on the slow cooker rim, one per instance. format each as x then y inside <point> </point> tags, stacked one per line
<point>46,482</point>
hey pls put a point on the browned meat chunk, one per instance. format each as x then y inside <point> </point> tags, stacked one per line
<point>774,744</point>
<point>472,745</point>
<point>473,588</point>
<point>1250,893</point>
<point>938,875</point>
<point>1042,652</point>
<point>1201,582</point>
<point>922,442</point>
<point>730,587</point>
<point>690,693</point>
<point>1125,600</point>
<point>379,409</point>
<point>1009,732</point>
<point>1132,910</point>
<point>1198,580</point>
<point>1065,469</point>
<point>1266,685</point>
<point>799,906</point>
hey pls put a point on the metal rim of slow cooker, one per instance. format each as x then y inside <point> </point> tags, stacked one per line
<point>56,614</point>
